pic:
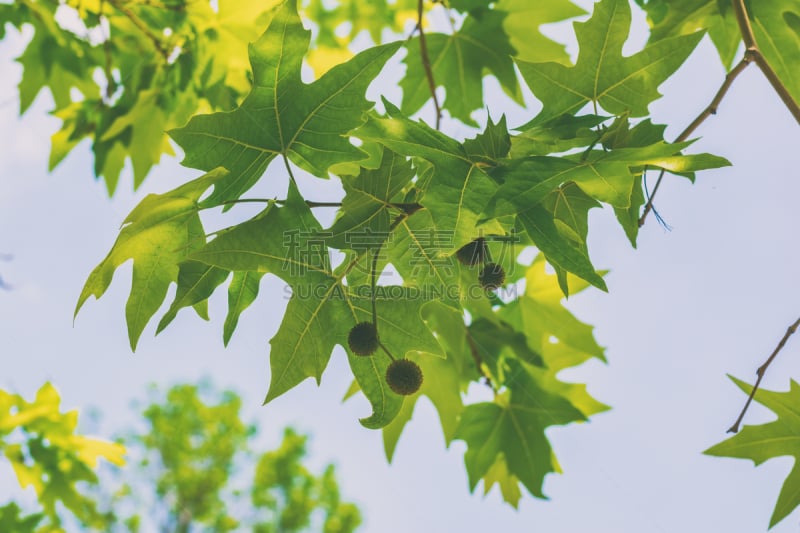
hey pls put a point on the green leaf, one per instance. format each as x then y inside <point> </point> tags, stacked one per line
<point>242,292</point>
<point>366,208</point>
<point>442,378</point>
<point>56,60</point>
<point>506,438</point>
<point>458,62</point>
<point>158,235</point>
<point>522,27</point>
<point>417,254</point>
<point>285,241</point>
<point>490,146</point>
<point>514,426</point>
<point>509,484</point>
<point>144,123</point>
<point>629,217</point>
<point>607,176</point>
<point>540,314</point>
<point>774,439</point>
<point>441,384</point>
<point>495,341</point>
<point>402,331</point>
<point>308,124</point>
<point>602,75</point>
<point>559,134</point>
<point>570,207</point>
<point>288,242</point>
<point>196,282</point>
<point>459,189</point>
<point>681,17</point>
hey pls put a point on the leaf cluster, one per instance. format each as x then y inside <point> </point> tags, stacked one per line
<point>415,196</point>
<point>425,213</point>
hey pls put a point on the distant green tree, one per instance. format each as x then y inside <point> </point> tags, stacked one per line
<point>181,478</point>
<point>188,478</point>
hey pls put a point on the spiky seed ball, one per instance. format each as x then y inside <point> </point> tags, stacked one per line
<point>404,376</point>
<point>492,276</point>
<point>363,339</point>
<point>473,253</point>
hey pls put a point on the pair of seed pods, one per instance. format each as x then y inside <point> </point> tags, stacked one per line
<point>404,376</point>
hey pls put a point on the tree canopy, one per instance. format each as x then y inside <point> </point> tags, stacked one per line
<point>268,92</point>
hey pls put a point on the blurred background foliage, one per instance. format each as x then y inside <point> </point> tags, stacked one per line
<point>185,471</point>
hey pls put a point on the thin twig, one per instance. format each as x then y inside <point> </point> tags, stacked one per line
<point>476,356</point>
<point>426,64</point>
<point>752,54</point>
<point>711,109</point>
<point>762,370</point>
<point>159,46</point>
<point>108,60</point>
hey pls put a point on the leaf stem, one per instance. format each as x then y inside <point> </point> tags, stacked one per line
<point>426,64</point>
<point>476,356</point>
<point>374,275</point>
<point>288,168</point>
<point>407,208</point>
<point>761,371</point>
<point>385,349</point>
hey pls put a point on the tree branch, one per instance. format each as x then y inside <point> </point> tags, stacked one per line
<point>788,100</point>
<point>743,20</point>
<point>749,38</point>
<point>159,46</point>
<point>752,54</point>
<point>711,109</point>
<point>761,371</point>
<point>426,64</point>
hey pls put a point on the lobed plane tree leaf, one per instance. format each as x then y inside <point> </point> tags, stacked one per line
<point>602,75</point>
<point>778,438</point>
<point>305,123</point>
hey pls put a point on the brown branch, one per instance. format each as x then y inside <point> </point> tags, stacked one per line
<point>784,94</point>
<point>743,20</point>
<point>426,64</point>
<point>476,356</point>
<point>761,371</point>
<point>749,38</point>
<point>711,109</point>
<point>159,46</point>
<point>752,54</point>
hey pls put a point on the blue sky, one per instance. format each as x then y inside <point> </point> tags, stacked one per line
<point>710,297</point>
